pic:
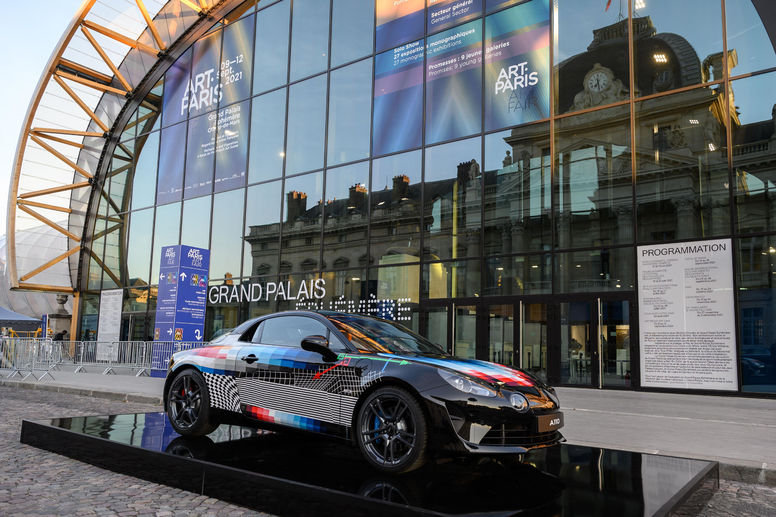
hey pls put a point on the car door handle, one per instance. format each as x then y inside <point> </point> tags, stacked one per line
<point>249,358</point>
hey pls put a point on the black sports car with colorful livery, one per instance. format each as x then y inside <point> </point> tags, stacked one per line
<point>396,395</point>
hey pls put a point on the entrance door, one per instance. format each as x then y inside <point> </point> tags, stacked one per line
<point>595,342</point>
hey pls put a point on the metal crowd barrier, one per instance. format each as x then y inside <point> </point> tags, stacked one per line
<point>26,356</point>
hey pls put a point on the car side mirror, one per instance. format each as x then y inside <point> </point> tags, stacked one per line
<point>319,345</point>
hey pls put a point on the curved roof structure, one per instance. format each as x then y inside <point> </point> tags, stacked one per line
<point>99,82</point>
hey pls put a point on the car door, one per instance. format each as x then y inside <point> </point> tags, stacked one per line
<point>280,383</point>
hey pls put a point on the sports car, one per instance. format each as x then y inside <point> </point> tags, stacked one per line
<point>398,397</point>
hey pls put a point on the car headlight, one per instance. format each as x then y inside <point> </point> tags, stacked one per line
<point>463,384</point>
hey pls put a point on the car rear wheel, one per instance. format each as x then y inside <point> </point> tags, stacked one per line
<point>188,405</point>
<point>391,430</point>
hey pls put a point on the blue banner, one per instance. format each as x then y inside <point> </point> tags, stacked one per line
<point>181,299</point>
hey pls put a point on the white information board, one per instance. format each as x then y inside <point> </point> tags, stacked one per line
<point>109,327</point>
<point>687,332</point>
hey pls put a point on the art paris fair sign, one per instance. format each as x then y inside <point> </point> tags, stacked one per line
<point>687,315</point>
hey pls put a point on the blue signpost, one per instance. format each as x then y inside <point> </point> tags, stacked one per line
<point>181,301</point>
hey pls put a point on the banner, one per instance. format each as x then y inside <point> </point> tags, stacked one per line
<point>517,65</point>
<point>172,146</point>
<point>398,21</point>
<point>232,146</point>
<point>398,99</point>
<point>454,82</point>
<point>687,315</point>
<point>109,325</point>
<point>494,5</point>
<point>443,14</point>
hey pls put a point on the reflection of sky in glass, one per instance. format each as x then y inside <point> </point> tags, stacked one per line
<point>339,180</point>
<point>575,21</point>
<point>306,125</point>
<point>351,32</point>
<point>268,116</point>
<point>226,243</point>
<point>442,161</point>
<point>271,67</point>
<point>310,38</point>
<point>140,244</point>
<point>384,169</point>
<point>746,34</point>
<point>350,104</point>
<point>755,97</point>
<point>196,218</point>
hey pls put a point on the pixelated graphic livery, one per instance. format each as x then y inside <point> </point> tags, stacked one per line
<point>397,396</point>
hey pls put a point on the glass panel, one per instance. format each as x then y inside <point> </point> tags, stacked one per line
<point>747,38</point>
<point>398,99</point>
<point>519,275</point>
<point>594,193</point>
<point>200,148</point>
<point>268,123</point>
<point>345,290</point>
<point>451,279</point>
<point>171,157</point>
<point>757,313</point>
<point>350,113</point>
<point>518,210</point>
<point>306,125</point>
<point>394,294</point>
<point>534,339</point>
<point>590,71</point>
<point>442,14</point>
<point>196,221</point>
<point>90,313</point>
<point>501,334</point>
<point>453,198</point>
<point>454,83</point>
<point>465,331</point>
<point>290,330</point>
<point>395,203</point>
<point>436,326</point>
<point>345,223</point>
<point>176,88</point>
<point>139,246</point>
<point>204,90</point>
<point>232,146</point>
<point>237,61</point>
<point>682,185</point>
<point>517,65</point>
<point>676,44</point>
<point>271,65</point>
<point>577,336</point>
<point>262,229</point>
<point>597,270</point>
<point>166,231</point>
<point>144,182</point>
<point>226,239</point>
<point>310,38</point>
<point>615,344</point>
<point>753,154</point>
<point>351,32</point>
<point>302,222</point>
<point>266,304</point>
<point>398,22</point>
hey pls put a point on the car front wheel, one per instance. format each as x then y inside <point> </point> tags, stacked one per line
<point>391,430</point>
<point>188,405</point>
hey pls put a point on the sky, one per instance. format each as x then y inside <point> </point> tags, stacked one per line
<point>27,42</point>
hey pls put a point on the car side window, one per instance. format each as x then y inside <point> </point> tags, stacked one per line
<point>290,330</point>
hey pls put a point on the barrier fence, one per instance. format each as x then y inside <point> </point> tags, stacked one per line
<point>39,358</point>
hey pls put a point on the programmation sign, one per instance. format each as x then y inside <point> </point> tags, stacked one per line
<point>686,315</point>
<point>109,326</point>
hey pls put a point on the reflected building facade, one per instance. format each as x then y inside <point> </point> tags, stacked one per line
<point>486,181</point>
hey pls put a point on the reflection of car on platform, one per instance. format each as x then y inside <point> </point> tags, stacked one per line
<point>392,392</point>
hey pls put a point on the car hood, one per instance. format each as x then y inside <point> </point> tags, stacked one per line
<point>489,372</point>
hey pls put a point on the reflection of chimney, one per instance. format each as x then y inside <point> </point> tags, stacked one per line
<point>297,205</point>
<point>401,187</point>
<point>357,198</point>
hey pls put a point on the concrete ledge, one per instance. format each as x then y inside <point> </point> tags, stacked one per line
<point>85,392</point>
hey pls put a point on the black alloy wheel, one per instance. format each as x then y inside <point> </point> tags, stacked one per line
<point>188,405</point>
<point>391,430</point>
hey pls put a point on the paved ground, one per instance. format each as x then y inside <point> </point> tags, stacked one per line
<point>35,482</point>
<point>739,432</point>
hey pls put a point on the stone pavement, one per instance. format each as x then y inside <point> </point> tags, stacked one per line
<point>738,432</point>
<point>36,482</point>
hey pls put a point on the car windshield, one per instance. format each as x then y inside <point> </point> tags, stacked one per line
<point>374,335</point>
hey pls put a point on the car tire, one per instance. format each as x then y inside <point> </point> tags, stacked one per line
<point>188,405</point>
<point>391,430</point>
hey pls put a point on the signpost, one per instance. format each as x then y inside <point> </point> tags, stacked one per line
<point>181,301</point>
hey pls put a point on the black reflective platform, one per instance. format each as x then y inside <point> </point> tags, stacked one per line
<point>290,473</point>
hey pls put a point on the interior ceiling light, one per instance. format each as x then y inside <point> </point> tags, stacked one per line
<point>660,58</point>
<point>639,4</point>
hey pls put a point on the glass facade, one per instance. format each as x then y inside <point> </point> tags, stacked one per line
<point>484,175</point>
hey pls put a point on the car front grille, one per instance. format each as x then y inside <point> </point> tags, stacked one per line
<point>511,435</point>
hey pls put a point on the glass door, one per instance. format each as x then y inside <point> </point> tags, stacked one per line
<point>534,326</point>
<point>465,331</point>
<point>577,343</point>
<point>500,338</point>
<point>615,342</point>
